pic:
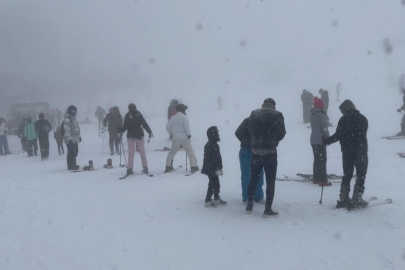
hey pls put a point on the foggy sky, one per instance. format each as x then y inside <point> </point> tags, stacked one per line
<point>100,45</point>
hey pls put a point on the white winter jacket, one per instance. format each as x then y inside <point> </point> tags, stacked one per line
<point>179,127</point>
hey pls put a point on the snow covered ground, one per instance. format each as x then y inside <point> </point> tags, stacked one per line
<point>54,219</point>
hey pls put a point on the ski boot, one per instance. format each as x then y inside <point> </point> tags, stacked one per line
<point>357,200</point>
<point>249,207</point>
<point>130,171</point>
<point>220,201</point>
<point>109,164</point>
<point>169,169</point>
<point>343,198</point>
<point>74,168</point>
<point>145,170</point>
<point>194,169</point>
<point>269,214</point>
<point>89,167</point>
<point>211,203</point>
<point>402,132</point>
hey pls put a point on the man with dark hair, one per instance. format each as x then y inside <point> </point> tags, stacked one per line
<point>42,128</point>
<point>71,134</point>
<point>352,134</point>
<point>266,128</point>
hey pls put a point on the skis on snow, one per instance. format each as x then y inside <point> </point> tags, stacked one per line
<point>372,202</point>
<point>393,137</point>
<point>133,173</point>
<point>309,178</point>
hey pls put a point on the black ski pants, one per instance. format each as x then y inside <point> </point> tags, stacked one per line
<point>269,164</point>
<point>213,188</point>
<point>114,140</point>
<point>44,145</point>
<point>358,159</point>
<point>72,151</point>
<point>320,159</point>
<point>61,150</point>
<point>32,147</point>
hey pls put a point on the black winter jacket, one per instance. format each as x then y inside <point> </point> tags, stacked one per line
<point>114,121</point>
<point>42,127</point>
<point>325,99</point>
<point>135,123</point>
<point>212,154</point>
<point>266,127</point>
<point>243,135</point>
<point>307,99</point>
<point>351,132</point>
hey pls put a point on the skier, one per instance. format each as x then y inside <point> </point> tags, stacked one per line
<point>171,111</point>
<point>325,98</point>
<point>212,167</point>
<point>114,121</point>
<point>266,128</point>
<point>338,89</point>
<point>352,134</point>
<point>135,123</point>
<point>20,134</point>
<point>59,141</point>
<point>71,133</point>
<point>42,128</point>
<point>319,128</point>
<point>402,132</point>
<point>245,159</point>
<point>58,116</point>
<point>100,114</point>
<point>306,98</point>
<point>3,134</point>
<point>32,138</point>
<point>179,130</point>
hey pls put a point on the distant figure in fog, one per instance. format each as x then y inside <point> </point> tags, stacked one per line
<point>100,114</point>
<point>306,98</point>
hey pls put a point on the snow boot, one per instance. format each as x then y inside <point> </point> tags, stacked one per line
<point>130,171</point>
<point>249,207</point>
<point>325,184</point>
<point>402,132</point>
<point>220,201</point>
<point>74,168</point>
<point>269,214</point>
<point>357,199</point>
<point>109,164</point>
<point>194,169</point>
<point>89,167</point>
<point>145,170</point>
<point>169,169</point>
<point>343,197</point>
<point>211,203</point>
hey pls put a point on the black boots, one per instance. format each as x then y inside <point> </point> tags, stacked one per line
<point>357,199</point>
<point>343,197</point>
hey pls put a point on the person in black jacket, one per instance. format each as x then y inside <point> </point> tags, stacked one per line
<point>212,167</point>
<point>43,127</point>
<point>135,123</point>
<point>352,134</point>
<point>325,98</point>
<point>245,160</point>
<point>402,132</point>
<point>306,98</point>
<point>266,129</point>
<point>114,121</point>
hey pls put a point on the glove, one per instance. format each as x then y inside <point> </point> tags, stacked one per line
<point>189,137</point>
<point>80,139</point>
<point>151,135</point>
<point>399,110</point>
<point>219,172</point>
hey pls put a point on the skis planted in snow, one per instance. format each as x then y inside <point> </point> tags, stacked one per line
<point>372,203</point>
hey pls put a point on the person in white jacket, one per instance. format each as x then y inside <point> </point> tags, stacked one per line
<point>179,130</point>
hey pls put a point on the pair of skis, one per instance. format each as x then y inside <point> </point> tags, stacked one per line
<point>125,176</point>
<point>372,202</point>
<point>393,137</point>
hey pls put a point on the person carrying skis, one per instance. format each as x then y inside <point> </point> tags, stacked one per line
<point>319,130</point>
<point>42,128</point>
<point>179,130</point>
<point>134,122</point>
<point>212,167</point>
<point>245,159</point>
<point>171,111</point>
<point>402,132</point>
<point>100,114</point>
<point>32,138</point>
<point>71,134</point>
<point>114,121</point>
<point>266,128</point>
<point>352,134</point>
<point>306,98</point>
<point>325,98</point>
<point>59,141</point>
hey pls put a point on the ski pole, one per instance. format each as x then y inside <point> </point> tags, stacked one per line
<point>123,150</point>
<point>186,161</point>
<point>320,202</point>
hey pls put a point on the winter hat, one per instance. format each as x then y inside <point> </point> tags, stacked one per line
<point>269,102</point>
<point>212,134</point>
<point>41,116</point>
<point>318,103</point>
<point>72,110</point>
<point>132,107</point>
<point>347,106</point>
<point>181,108</point>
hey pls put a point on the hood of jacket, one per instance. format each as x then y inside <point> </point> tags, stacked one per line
<point>213,134</point>
<point>347,106</point>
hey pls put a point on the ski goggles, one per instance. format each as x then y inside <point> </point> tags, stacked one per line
<point>73,112</point>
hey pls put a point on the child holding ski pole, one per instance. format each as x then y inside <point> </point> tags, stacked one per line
<point>212,167</point>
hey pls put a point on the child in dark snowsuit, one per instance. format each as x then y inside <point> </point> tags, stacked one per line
<point>212,167</point>
<point>59,141</point>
